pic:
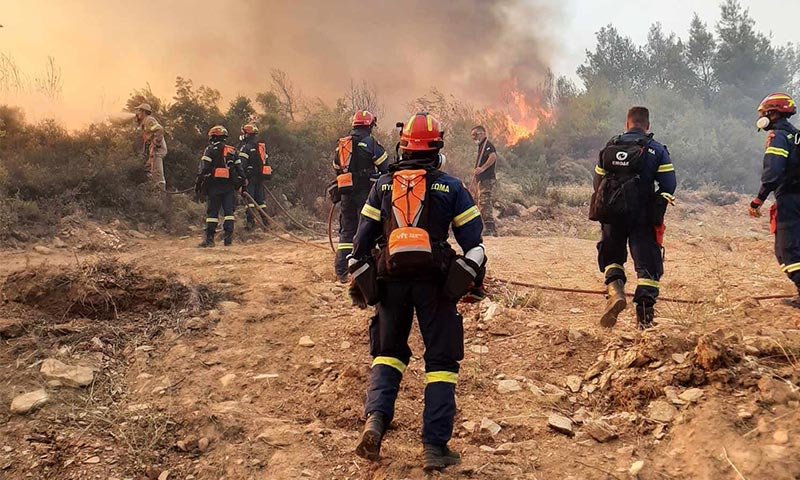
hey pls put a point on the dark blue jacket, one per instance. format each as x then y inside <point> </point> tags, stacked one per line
<point>781,172</point>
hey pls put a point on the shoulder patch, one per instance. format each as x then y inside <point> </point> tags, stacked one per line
<point>440,187</point>
<point>386,187</point>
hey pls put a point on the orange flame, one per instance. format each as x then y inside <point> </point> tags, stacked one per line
<point>522,113</point>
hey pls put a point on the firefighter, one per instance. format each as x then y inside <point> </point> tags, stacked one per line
<point>781,176</point>
<point>253,155</point>
<point>222,174</point>
<point>154,146</point>
<point>485,176</point>
<point>358,160</point>
<point>631,211</point>
<point>407,216</point>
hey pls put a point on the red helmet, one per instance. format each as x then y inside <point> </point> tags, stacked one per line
<point>250,129</point>
<point>218,131</point>
<point>778,102</point>
<point>422,133</point>
<point>364,118</point>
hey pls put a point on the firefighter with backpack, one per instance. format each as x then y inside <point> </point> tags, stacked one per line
<point>631,211</point>
<point>220,175</point>
<point>253,155</point>
<point>357,162</point>
<point>781,176</point>
<point>408,216</point>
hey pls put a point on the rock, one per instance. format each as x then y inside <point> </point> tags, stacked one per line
<point>711,353</point>
<point>28,402</point>
<point>68,375</point>
<point>661,411</point>
<point>486,449</point>
<point>491,310</point>
<point>601,431</point>
<point>92,460</point>
<point>307,473</point>
<point>508,386</point>
<point>144,348</point>
<point>469,426</point>
<point>560,424</point>
<point>672,395</point>
<point>479,349</point>
<point>691,395</point>
<point>203,444</point>
<point>780,437</point>
<point>774,391</point>
<point>581,416</point>
<point>595,370</point>
<point>42,250</point>
<point>58,243</point>
<point>636,467</point>
<point>574,335</point>
<point>678,358</point>
<point>137,234</point>
<point>164,475</point>
<point>345,345</point>
<point>489,426</point>
<point>226,380</point>
<point>574,383</point>
<point>305,341</point>
<point>10,328</point>
<point>228,306</point>
<point>575,311</point>
<point>265,376</point>
<point>504,449</point>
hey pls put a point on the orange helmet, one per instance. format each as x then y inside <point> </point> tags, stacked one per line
<point>218,131</point>
<point>778,102</point>
<point>250,129</point>
<point>364,118</point>
<point>422,133</point>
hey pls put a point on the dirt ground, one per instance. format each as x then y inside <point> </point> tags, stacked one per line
<point>199,370</point>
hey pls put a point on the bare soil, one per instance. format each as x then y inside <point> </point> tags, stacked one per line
<point>199,373</point>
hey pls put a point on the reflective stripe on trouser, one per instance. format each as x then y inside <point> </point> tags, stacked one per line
<point>224,200</point>
<point>443,335</point>
<point>485,189</point>
<point>787,236</point>
<point>351,206</point>
<point>612,253</point>
<point>155,169</point>
<point>256,190</point>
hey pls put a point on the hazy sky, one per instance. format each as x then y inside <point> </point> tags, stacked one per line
<point>106,48</point>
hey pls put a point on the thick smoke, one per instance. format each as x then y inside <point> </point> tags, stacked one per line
<point>472,48</point>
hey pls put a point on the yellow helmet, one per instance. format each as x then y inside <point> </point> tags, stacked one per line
<point>218,131</point>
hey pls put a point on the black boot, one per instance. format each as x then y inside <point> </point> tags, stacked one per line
<point>369,446</point>
<point>209,241</point>
<point>644,316</point>
<point>439,458</point>
<point>615,305</point>
<point>227,238</point>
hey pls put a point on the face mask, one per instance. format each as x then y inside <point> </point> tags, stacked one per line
<point>442,161</point>
<point>241,138</point>
<point>762,123</point>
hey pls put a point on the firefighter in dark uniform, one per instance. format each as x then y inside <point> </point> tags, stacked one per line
<point>253,155</point>
<point>631,211</point>
<point>781,176</point>
<point>358,161</point>
<point>485,176</point>
<point>407,216</point>
<point>220,174</point>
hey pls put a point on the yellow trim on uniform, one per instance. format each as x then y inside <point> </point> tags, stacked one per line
<point>242,154</point>
<point>237,162</point>
<point>390,362</point>
<point>251,205</point>
<point>467,216</point>
<point>344,246</point>
<point>371,212</point>
<point>667,167</point>
<point>646,282</point>
<point>229,217</point>
<point>598,170</point>
<point>777,151</point>
<point>206,159</point>
<point>382,158</point>
<point>362,144</point>
<point>212,220</point>
<point>794,267</point>
<point>614,266</point>
<point>442,377</point>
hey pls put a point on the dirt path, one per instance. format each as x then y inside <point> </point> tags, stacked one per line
<point>266,407</point>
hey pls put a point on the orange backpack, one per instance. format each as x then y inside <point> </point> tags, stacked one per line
<point>344,154</point>
<point>409,245</point>
<point>266,170</point>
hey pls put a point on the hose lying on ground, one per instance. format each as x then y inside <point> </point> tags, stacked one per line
<point>252,201</point>
<point>286,212</point>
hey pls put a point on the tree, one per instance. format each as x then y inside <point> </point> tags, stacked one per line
<point>616,62</point>
<point>240,112</point>
<point>700,53</point>
<point>144,95</point>
<point>665,66</point>
<point>288,98</point>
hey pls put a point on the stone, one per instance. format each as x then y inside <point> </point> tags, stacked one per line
<point>469,426</point>
<point>774,391</point>
<point>504,449</point>
<point>203,444</point>
<point>226,380</point>
<point>71,376</point>
<point>661,411</point>
<point>10,328</point>
<point>164,475</point>
<point>508,386</point>
<point>137,234</point>
<point>636,467</point>
<point>92,460</point>
<point>574,383</point>
<point>58,243</point>
<point>678,358</point>
<point>601,431</point>
<point>345,345</point>
<point>489,426</point>
<point>691,395</point>
<point>560,424</point>
<point>228,306</point>
<point>479,349</point>
<point>574,335</point>
<point>27,402</point>
<point>575,311</point>
<point>780,437</point>
<point>305,341</point>
<point>42,250</point>
<point>486,449</point>
<point>265,376</point>
<point>672,395</point>
<point>595,370</point>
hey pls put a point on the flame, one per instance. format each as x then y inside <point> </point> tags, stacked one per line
<point>522,114</point>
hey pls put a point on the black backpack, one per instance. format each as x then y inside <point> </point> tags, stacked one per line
<point>618,196</point>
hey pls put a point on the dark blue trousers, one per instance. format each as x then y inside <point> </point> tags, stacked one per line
<point>612,253</point>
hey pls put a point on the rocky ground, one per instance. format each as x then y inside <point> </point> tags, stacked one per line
<point>133,355</point>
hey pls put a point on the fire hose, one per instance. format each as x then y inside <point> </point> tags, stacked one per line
<point>330,228</point>
<point>179,192</point>
<point>273,222</point>
<point>286,212</point>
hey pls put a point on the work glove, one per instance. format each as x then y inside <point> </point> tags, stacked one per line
<point>755,207</point>
<point>356,296</point>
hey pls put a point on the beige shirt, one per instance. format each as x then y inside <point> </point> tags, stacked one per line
<point>153,132</point>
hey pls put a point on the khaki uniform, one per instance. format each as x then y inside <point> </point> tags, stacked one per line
<point>155,148</point>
